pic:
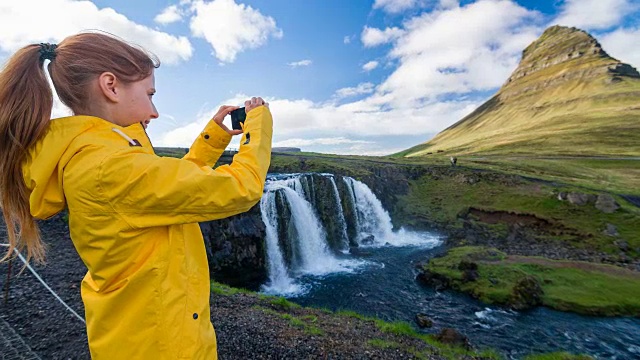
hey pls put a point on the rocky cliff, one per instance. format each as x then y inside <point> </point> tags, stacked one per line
<point>567,96</point>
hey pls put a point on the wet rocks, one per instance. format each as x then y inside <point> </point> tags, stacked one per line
<point>437,281</point>
<point>423,320</point>
<point>469,271</point>
<point>526,294</point>
<point>453,337</point>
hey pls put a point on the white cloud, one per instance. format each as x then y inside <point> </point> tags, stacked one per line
<point>231,28</point>
<point>395,6</point>
<point>297,142</point>
<point>458,51</point>
<point>304,119</point>
<point>373,37</point>
<point>347,39</point>
<point>364,88</point>
<point>448,4</point>
<point>594,14</point>
<point>370,66</point>
<point>300,63</point>
<point>169,15</point>
<point>617,44</point>
<point>32,21</point>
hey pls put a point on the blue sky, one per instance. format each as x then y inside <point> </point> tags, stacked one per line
<point>348,77</point>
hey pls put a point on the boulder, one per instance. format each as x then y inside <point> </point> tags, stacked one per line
<point>423,321</point>
<point>610,230</point>
<point>439,282</point>
<point>526,294</point>
<point>578,198</point>
<point>469,270</point>
<point>606,203</point>
<point>453,337</point>
<point>622,245</point>
<point>368,240</point>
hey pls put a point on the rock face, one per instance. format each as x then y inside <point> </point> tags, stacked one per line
<point>236,249</point>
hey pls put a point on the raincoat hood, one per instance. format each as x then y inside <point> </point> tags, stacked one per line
<point>44,167</point>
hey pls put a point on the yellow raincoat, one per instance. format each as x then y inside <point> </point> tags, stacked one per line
<point>133,220</point>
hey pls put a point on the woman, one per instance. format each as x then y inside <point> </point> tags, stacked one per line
<point>132,215</point>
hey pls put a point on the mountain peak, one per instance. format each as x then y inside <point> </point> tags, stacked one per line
<point>567,96</point>
<point>563,54</point>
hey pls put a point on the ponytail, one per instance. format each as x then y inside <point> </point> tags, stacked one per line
<point>26,100</point>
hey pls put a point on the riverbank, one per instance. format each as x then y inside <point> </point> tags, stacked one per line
<point>248,325</point>
<point>522,283</point>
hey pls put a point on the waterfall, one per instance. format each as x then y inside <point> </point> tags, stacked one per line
<point>308,246</point>
<point>372,218</point>
<point>278,277</point>
<point>298,243</point>
<point>341,220</point>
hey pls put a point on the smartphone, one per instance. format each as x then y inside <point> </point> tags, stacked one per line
<point>238,117</point>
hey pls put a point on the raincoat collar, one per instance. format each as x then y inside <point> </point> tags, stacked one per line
<point>43,168</point>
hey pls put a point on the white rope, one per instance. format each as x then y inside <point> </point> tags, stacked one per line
<point>125,136</point>
<point>45,284</point>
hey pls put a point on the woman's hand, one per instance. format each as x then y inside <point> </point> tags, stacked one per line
<point>254,103</point>
<point>221,114</point>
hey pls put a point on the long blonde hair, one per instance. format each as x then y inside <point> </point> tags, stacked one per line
<point>26,101</point>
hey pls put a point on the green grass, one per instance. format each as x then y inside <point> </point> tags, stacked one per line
<point>557,356</point>
<point>226,290</point>
<point>441,200</point>
<point>307,322</point>
<point>596,290</point>
<point>402,328</point>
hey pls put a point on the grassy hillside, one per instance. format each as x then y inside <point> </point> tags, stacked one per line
<point>567,97</point>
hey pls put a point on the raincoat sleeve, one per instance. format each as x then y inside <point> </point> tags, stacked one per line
<point>208,147</point>
<point>146,190</point>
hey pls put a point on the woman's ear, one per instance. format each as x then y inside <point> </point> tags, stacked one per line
<point>108,84</point>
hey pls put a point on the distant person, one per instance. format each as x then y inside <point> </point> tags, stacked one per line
<point>132,215</point>
<point>453,160</point>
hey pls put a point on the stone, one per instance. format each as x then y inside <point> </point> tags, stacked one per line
<point>606,203</point>
<point>578,198</point>
<point>453,337</point>
<point>526,294</point>
<point>423,321</point>
<point>439,282</point>
<point>562,196</point>
<point>622,245</point>
<point>469,271</point>
<point>368,240</point>
<point>610,230</point>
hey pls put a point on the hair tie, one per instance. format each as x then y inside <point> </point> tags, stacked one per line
<point>47,51</point>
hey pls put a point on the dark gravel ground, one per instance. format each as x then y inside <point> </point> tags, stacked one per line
<point>248,326</point>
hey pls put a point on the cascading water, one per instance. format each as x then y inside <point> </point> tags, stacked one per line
<point>342,223</point>
<point>297,242</point>
<point>372,218</point>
